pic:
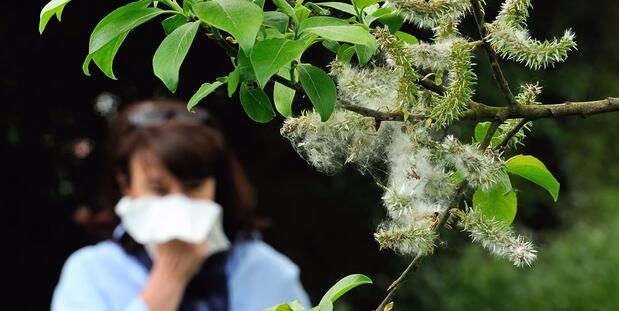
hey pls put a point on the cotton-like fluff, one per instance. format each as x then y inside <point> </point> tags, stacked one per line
<point>418,191</point>
<point>431,57</point>
<point>328,145</point>
<point>482,169</point>
<point>374,87</point>
<point>498,238</point>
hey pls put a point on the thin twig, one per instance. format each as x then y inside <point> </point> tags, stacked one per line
<point>511,134</point>
<point>414,264</point>
<point>478,13</point>
<point>488,138</point>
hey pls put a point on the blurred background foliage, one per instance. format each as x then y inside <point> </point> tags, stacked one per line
<point>52,149</point>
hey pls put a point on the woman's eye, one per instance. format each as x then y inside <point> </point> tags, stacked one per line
<point>159,190</point>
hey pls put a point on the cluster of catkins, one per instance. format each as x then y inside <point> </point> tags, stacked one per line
<point>420,169</point>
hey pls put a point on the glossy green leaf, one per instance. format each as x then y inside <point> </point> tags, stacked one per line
<point>54,7</point>
<point>287,9</point>
<point>283,96</point>
<point>245,68</point>
<point>408,38</point>
<point>331,45</point>
<point>318,10</point>
<point>233,81</point>
<point>495,203</point>
<point>480,133</point>
<point>104,57</point>
<point>338,30</point>
<point>534,170</point>
<point>270,55</point>
<point>120,22</point>
<point>321,21</point>
<point>171,53</point>
<point>241,18</point>
<point>276,20</point>
<point>362,4</point>
<point>259,3</point>
<point>291,306</point>
<point>364,53</point>
<point>302,13</point>
<point>345,53</point>
<point>393,21</point>
<point>171,23</point>
<point>204,90</point>
<point>320,89</point>
<point>256,104</point>
<point>340,6</point>
<point>340,288</point>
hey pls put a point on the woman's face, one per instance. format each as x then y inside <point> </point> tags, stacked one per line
<point>149,177</point>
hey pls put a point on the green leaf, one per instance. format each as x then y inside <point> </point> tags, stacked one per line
<point>171,53</point>
<point>320,89</point>
<point>291,306</point>
<point>259,3</point>
<point>283,96</point>
<point>241,18</point>
<point>276,20</point>
<point>270,55</point>
<point>378,13</point>
<point>480,133</point>
<point>301,13</point>
<point>120,22</point>
<point>340,6</point>
<point>256,104</point>
<point>534,170</point>
<point>104,57</point>
<point>393,21</point>
<point>362,4</point>
<point>171,23</point>
<point>233,81</point>
<point>345,53</point>
<point>410,39</point>
<point>245,68</point>
<point>331,45</point>
<point>317,9</point>
<point>204,90</point>
<point>340,288</point>
<point>54,7</point>
<point>364,53</point>
<point>495,203</point>
<point>338,30</point>
<point>320,21</point>
<point>287,9</point>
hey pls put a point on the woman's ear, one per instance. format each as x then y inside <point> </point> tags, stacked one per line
<point>123,183</point>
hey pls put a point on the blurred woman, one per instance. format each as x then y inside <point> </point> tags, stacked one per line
<point>161,152</point>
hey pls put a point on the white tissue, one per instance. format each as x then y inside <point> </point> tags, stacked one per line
<point>155,220</point>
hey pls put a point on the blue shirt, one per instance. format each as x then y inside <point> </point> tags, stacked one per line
<point>103,277</point>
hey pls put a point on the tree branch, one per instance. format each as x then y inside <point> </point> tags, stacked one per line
<point>481,112</point>
<point>478,13</point>
<point>511,134</point>
<point>393,288</point>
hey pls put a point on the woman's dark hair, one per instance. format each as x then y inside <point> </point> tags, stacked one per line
<point>190,145</point>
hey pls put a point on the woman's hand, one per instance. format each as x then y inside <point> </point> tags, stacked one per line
<point>174,265</point>
<point>179,260</point>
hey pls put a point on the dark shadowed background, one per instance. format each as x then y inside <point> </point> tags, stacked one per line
<point>52,154</point>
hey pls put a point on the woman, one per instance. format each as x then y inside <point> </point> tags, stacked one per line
<point>159,149</point>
